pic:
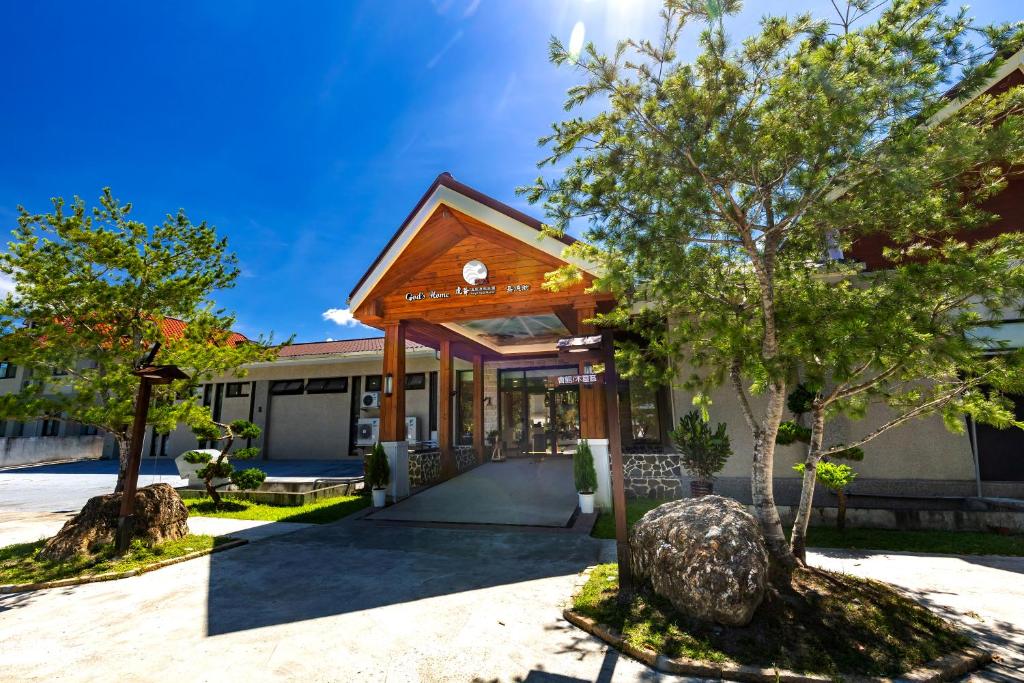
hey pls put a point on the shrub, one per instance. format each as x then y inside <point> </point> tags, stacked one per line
<point>219,467</point>
<point>378,472</point>
<point>703,452</point>
<point>854,454</point>
<point>583,469</point>
<point>790,431</point>
<point>835,477</point>
<point>800,399</point>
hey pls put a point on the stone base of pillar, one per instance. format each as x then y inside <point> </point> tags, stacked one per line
<point>603,466</point>
<point>398,461</point>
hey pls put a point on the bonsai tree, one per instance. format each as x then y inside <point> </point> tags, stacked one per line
<point>836,477</point>
<point>220,468</point>
<point>378,472</point>
<point>702,452</point>
<point>583,469</point>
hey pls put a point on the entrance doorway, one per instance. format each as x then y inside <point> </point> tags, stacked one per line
<point>535,417</point>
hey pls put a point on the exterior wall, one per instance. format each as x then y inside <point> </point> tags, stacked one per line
<point>32,450</point>
<point>920,449</point>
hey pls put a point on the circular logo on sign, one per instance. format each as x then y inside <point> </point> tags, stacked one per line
<point>474,272</point>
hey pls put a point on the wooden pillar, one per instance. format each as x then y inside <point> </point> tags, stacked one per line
<point>593,419</point>
<point>444,413</point>
<point>611,385</point>
<point>392,404</point>
<point>478,407</point>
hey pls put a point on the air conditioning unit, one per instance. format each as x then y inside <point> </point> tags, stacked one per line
<point>367,431</point>
<point>370,399</point>
<point>410,430</point>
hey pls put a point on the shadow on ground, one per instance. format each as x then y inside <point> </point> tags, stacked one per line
<point>356,565</point>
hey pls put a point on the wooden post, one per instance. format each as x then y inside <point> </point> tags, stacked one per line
<point>444,413</point>
<point>126,515</point>
<point>392,403</point>
<point>593,419</point>
<point>611,388</point>
<point>478,407</point>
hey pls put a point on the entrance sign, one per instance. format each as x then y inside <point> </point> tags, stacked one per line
<point>568,380</point>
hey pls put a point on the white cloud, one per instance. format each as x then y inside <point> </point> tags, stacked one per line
<point>6,284</point>
<point>341,316</point>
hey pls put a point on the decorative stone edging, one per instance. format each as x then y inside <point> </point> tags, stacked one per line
<point>944,668</point>
<point>112,576</point>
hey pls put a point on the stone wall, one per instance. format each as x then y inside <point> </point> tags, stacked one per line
<point>424,468</point>
<point>465,457</point>
<point>652,475</point>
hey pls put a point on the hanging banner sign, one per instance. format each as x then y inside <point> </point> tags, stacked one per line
<point>569,380</point>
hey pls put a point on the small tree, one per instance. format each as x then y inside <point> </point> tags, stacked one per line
<point>583,470</point>
<point>378,472</point>
<point>836,477</point>
<point>702,452</point>
<point>221,468</point>
<point>95,289</point>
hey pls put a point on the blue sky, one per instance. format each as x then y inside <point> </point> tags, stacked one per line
<point>304,131</point>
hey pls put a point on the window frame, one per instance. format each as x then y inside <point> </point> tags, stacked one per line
<point>8,370</point>
<point>323,385</point>
<point>419,381</point>
<point>374,383</point>
<point>236,389</point>
<point>292,390</point>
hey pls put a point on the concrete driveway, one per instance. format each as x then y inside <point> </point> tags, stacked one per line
<point>357,601</point>
<point>65,487</point>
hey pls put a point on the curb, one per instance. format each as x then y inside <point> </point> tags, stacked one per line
<point>944,668</point>
<point>113,576</point>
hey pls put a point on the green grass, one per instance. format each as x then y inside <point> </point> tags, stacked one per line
<point>949,542</point>
<point>824,623</point>
<point>318,512</point>
<point>20,563</point>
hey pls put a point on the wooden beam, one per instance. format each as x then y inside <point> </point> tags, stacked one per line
<point>478,406</point>
<point>444,413</point>
<point>593,406</point>
<point>611,389</point>
<point>568,318</point>
<point>392,405</point>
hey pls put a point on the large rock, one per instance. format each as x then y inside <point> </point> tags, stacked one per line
<point>705,555</point>
<point>159,516</point>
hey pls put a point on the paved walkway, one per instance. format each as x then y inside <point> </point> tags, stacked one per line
<point>520,491</point>
<point>359,601</point>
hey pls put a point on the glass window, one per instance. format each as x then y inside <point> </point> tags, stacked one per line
<point>643,411</point>
<point>236,389</point>
<point>7,370</point>
<point>287,386</point>
<point>327,385</point>
<point>373,383</point>
<point>50,428</point>
<point>464,407</point>
<point>416,380</point>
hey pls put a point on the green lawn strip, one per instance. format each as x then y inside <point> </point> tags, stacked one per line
<point>946,542</point>
<point>826,624</point>
<point>318,512</point>
<point>20,564</point>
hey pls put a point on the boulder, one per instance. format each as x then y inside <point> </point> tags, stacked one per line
<point>705,555</point>
<point>159,516</point>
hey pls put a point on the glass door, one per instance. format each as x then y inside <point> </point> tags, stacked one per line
<point>535,418</point>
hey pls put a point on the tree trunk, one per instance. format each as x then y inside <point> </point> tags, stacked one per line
<point>123,449</point>
<point>841,513</point>
<point>211,491</point>
<point>798,537</point>
<point>762,485</point>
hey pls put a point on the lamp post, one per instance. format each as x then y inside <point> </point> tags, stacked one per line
<point>148,375</point>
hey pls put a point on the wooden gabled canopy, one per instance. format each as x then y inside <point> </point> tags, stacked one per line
<point>464,274</point>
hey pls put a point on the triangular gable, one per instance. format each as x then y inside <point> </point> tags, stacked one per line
<point>465,201</point>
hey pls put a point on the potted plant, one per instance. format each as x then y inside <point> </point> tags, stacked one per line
<point>585,476</point>
<point>702,452</point>
<point>378,474</point>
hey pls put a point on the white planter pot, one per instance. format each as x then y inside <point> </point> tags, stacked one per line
<point>379,497</point>
<point>586,503</point>
<point>187,470</point>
